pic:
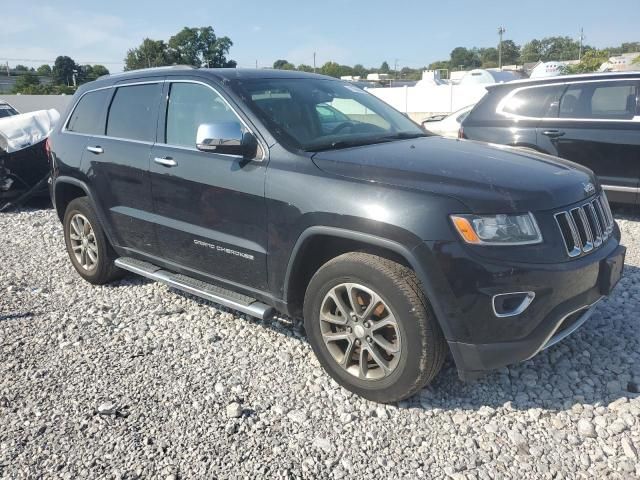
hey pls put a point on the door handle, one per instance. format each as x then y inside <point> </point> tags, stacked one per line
<point>165,161</point>
<point>553,133</point>
<point>97,149</point>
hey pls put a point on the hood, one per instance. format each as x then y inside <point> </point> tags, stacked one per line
<point>486,178</point>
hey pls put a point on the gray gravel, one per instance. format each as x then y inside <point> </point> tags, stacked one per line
<point>135,380</point>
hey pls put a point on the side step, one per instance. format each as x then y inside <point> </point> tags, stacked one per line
<point>216,294</point>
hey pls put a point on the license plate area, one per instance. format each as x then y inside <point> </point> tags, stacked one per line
<point>611,269</point>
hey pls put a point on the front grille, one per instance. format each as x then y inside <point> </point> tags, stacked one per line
<point>586,227</point>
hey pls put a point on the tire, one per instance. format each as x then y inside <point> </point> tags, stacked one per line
<point>416,335</point>
<point>97,265</point>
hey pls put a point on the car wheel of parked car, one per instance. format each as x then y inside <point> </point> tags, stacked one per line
<point>87,245</point>
<point>372,328</point>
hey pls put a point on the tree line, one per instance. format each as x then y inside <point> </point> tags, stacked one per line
<point>65,76</point>
<point>201,47</point>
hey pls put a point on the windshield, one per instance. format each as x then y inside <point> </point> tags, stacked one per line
<point>6,110</point>
<point>315,114</point>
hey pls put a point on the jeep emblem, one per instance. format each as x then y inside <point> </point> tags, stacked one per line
<point>589,188</point>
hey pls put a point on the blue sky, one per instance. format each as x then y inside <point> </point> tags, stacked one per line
<point>348,31</point>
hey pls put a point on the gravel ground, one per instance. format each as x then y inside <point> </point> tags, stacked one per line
<point>135,380</point>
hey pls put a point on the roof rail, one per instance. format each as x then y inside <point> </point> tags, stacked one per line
<point>151,69</point>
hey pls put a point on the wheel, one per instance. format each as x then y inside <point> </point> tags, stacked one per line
<point>88,248</point>
<point>372,328</point>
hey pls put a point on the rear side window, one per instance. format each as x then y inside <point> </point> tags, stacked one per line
<point>534,102</point>
<point>191,105</point>
<point>87,116</point>
<point>133,112</point>
<point>601,101</point>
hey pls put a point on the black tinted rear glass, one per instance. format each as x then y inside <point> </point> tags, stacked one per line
<point>87,116</point>
<point>536,102</point>
<point>133,112</point>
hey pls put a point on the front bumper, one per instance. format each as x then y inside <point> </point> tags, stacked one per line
<point>565,296</point>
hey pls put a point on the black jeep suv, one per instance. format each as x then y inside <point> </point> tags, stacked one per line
<point>592,119</point>
<point>395,247</point>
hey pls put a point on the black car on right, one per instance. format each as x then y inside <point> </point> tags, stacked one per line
<point>591,119</point>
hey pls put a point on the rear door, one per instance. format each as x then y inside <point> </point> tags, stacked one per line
<point>210,208</point>
<point>598,126</point>
<point>118,164</point>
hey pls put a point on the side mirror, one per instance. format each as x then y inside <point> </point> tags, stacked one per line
<point>226,138</point>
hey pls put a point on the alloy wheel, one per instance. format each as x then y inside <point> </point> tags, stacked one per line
<point>83,242</point>
<point>360,331</point>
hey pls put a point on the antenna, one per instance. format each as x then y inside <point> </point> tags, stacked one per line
<point>581,42</point>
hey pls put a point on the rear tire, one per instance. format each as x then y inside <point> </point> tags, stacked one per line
<point>91,254</point>
<point>388,345</point>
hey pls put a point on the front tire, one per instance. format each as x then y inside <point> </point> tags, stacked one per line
<point>87,246</point>
<point>372,328</point>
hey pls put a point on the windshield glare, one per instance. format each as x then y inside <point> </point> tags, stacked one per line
<point>314,114</point>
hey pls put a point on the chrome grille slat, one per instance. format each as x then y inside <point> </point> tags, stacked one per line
<point>586,227</point>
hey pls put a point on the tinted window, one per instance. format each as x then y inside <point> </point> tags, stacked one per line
<point>87,116</point>
<point>536,102</point>
<point>608,101</point>
<point>292,109</point>
<point>133,112</point>
<point>190,105</point>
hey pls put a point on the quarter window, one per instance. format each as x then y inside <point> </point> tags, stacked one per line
<point>133,112</point>
<point>191,105</point>
<point>600,101</point>
<point>88,117</point>
<point>534,102</point>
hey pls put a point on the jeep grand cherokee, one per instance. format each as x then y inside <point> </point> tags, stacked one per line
<point>245,187</point>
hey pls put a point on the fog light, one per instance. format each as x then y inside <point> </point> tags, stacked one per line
<point>511,304</point>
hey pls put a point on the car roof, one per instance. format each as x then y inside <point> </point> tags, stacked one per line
<point>220,74</point>
<point>566,78</point>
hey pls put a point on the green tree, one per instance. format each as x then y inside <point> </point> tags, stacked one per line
<point>201,47</point>
<point>461,56</point>
<point>44,70</point>
<point>26,82</point>
<point>63,70</point>
<point>488,57</point>
<point>283,65</point>
<point>440,65</point>
<point>21,68</point>
<point>305,68</point>
<point>150,53</point>
<point>360,71</point>
<point>510,52</point>
<point>590,62</point>
<point>531,51</point>
<point>384,68</point>
<point>331,69</point>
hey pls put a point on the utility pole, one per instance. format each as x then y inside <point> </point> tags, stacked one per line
<point>501,30</point>
<point>314,62</point>
<point>581,42</point>
<point>256,64</point>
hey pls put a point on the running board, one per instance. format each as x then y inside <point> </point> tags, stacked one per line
<point>215,294</point>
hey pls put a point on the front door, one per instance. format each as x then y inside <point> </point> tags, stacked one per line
<point>210,208</point>
<point>598,126</point>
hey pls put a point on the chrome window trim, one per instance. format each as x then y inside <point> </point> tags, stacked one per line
<point>162,144</point>
<point>515,116</point>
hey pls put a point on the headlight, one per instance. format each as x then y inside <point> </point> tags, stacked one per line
<point>498,229</point>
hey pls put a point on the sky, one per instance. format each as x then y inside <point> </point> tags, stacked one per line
<point>415,33</point>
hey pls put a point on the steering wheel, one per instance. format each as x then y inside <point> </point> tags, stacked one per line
<point>342,126</point>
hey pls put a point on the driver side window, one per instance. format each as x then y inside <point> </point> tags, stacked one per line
<point>189,106</point>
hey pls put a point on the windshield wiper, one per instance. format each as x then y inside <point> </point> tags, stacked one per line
<point>404,136</point>
<point>338,144</point>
